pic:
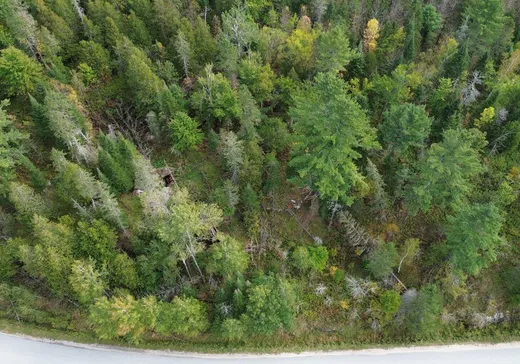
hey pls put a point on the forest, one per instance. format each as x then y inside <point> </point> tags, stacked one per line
<point>265,173</point>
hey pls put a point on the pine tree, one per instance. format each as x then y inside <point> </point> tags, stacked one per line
<point>330,130</point>
<point>379,199</point>
<point>185,132</point>
<point>333,53</point>
<point>10,141</point>
<point>184,52</point>
<point>27,202</point>
<point>444,177</point>
<point>86,282</point>
<point>431,25</point>
<point>406,126</point>
<point>414,25</point>
<point>472,235</point>
<point>232,150</point>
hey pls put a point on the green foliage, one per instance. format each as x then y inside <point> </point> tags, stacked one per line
<point>273,179</point>
<point>9,251</point>
<point>379,199</point>
<point>330,130</point>
<point>432,24</point>
<point>271,114</point>
<point>333,53</point>
<point>123,316</point>
<point>274,134</point>
<point>50,255</point>
<point>85,282</point>
<point>310,258</point>
<point>226,197</point>
<point>406,126</point>
<point>214,99</point>
<point>185,132</point>
<point>95,56</point>
<point>115,160</point>
<point>78,188</point>
<point>67,123</point>
<point>226,257</point>
<point>472,235</point>
<point>487,26</point>
<point>96,240</point>
<point>21,303</point>
<point>182,316</point>
<point>37,178</point>
<point>232,151</point>
<point>233,330</point>
<point>444,177</point>
<point>10,141</point>
<point>412,42</point>
<point>383,260</point>
<point>123,272</point>
<point>143,84</point>
<point>19,74</point>
<point>251,210</point>
<point>398,87</point>
<point>422,313</point>
<point>239,29</point>
<point>299,50</point>
<point>390,302</point>
<point>27,202</point>
<point>258,79</point>
<point>270,305</point>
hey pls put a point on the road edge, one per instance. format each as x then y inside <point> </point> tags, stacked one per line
<point>185,354</point>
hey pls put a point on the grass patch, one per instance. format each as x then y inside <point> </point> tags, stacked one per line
<point>311,341</point>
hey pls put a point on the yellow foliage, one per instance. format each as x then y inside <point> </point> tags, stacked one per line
<point>300,49</point>
<point>304,24</point>
<point>370,36</point>
<point>332,270</point>
<point>514,173</point>
<point>486,117</point>
<point>392,228</point>
<point>344,304</point>
<point>448,47</point>
<point>510,65</point>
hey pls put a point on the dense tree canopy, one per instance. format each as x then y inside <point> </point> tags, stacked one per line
<point>260,174</point>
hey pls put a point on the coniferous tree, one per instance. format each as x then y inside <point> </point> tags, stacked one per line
<point>444,177</point>
<point>473,238</point>
<point>331,128</point>
<point>414,25</point>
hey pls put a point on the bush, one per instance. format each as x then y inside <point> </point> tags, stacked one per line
<point>390,302</point>
<point>270,305</point>
<point>310,258</point>
<point>383,260</point>
<point>232,330</point>
<point>182,316</point>
<point>123,317</point>
<point>19,74</point>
